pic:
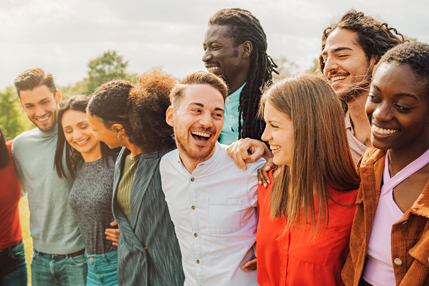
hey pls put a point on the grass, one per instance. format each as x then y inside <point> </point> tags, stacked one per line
<point>24,214</point>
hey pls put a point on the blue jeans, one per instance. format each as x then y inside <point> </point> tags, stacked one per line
<point>61,270</point>
<point>13,267</point>
<point>102,269</point>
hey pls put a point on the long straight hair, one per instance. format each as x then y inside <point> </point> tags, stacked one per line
<point>73,157</point>
<point>321,154</point>
<point>4,152</point>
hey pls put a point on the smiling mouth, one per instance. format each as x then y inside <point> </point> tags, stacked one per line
<point>43,119</point>
<point>82,142</point>
<point>201,136</point>
<point>382,131</point>
<point>274,147</point>
<point>212,69</point>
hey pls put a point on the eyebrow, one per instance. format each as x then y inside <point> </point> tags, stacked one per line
<point>339,49</point>
<point>77,123</point>
<point>399,94</point>
<point>202,105</point>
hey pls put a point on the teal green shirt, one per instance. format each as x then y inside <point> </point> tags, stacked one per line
<point>229,132</point>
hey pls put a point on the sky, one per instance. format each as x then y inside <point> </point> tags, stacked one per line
<point>62,36</point>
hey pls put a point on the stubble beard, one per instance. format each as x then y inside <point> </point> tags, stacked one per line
<point>189,153</point>
<point>49,128</point>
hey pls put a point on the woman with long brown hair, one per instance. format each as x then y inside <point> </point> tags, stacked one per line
<point>305,215</point>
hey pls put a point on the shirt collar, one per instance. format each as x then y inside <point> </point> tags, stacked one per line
<point>204,164</point>
<point>421,205</point>
<point>236,94</point>
<point>348,122</point>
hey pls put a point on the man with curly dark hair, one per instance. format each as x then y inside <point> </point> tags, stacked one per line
<point>235,48</point>
<point>350,50</point>
<point>133,117</point>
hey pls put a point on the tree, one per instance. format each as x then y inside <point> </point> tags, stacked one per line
<point>13,120</point>
<point>315,65</point>
<point>107,67</point>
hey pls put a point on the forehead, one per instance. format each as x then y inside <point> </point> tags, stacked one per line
<point>95,121</point>
<point>35,95</point>
<point>71,117</point>
<point>273,114</point>
<point>218,33</point>
<point>398,78</point>
<point>342,38</point>
<point>203,94</point>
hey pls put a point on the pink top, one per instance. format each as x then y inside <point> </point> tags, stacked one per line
<point>379,265</point>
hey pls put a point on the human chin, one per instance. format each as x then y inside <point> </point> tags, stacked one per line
<point>46,122</point>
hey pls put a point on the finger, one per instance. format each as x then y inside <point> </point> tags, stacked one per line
<point>260,177</point>
<point>266,177</point>
<point>238,160</point>
<point>114,223</point>
<point>249,266</point>
<point>114,243</point>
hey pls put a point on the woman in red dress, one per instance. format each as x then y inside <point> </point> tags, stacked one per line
<point>305,215</point>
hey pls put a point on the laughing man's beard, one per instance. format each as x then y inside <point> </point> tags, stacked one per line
<point>189,153</point>
<point>355,90</point>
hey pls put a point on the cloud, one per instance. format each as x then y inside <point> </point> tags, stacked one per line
<point>63,36</point>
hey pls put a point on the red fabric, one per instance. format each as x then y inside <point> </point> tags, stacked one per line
<point>294,258</point>
<point>10,193</point>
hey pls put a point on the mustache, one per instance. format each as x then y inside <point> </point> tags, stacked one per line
<point>202,129</point>
<point>212,63</point>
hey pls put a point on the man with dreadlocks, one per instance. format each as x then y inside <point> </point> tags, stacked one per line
<point>350,49</point>
<point>235,48</point>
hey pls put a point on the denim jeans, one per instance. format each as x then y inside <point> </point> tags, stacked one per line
<point>102,269</point>
<point>13,267</point>
<point>61,270</point>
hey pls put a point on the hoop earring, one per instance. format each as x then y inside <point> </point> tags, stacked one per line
<point>122,136</point>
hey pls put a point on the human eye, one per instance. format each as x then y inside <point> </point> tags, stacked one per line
<point>373,97</point>
<point>402,108</point>
<point>274,126</point>
<point>68,131</point>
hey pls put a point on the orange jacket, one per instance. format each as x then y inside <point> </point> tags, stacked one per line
<point>410,235</point>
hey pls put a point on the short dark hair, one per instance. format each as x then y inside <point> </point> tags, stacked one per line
<point>246,27</point>
<point>4,152</point>
<point>32,78</point>
<point>413,54</point>
<point>198,78</point>
<point>74,158</point>
<point>139,109</point>
<point>375,37</point>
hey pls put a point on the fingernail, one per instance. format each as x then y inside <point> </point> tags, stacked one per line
<point>259,182</point>
<point>268,181</point>
<point>265,185</point>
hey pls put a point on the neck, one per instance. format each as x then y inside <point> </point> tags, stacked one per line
<point>93,155</point>
<point>189,163</point>
<point>359,119</point>
<point>401,157</point>
<point>134,149</point>
<point>238,80</point>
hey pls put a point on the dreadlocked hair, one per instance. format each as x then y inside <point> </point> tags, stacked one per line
<point>374,37</point>
<point>246,27</point>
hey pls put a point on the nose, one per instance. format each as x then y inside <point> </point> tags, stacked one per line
<point>330,66</point>
<point>382,113</point>
<point>39,111</point>
<point>77,134</point>
<point>266,136</point>
<point>207,56</point>
<point>206,120</point>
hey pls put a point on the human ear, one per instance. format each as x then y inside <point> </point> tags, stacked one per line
<point>118,129</point>
<point>58,96</point>
<point>22,106</point>
<point>247,49</point>
<point>169,116</point>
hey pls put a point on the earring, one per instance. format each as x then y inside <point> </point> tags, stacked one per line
<point>121,138</point>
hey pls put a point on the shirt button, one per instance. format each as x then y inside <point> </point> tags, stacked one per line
<point>284,247</point>
<point>193,207</point>
<point>198,262</point>
<point>231,116</point>
<point>195,234</point>
<point>192,179</point>
<point>227,99</point>
<point>398,261</point>
<point>91,259</point>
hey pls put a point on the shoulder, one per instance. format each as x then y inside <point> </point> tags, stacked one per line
<point>371,156</point>
<point>9,146</point>
<point>251,167</point>
<point>24,137</point>
<point>169,157</point>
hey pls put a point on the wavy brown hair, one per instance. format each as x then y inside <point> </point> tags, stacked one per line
<point>375,37</point>
<point>321,155</point>
<point>140,109</point>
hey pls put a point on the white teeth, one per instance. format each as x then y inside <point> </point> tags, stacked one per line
<point>274,147</point>
<point>201,134</point>
<point>384,131</point>
<point>43,119</point>
<point>81,142</point>
<point>212,69</point>
<point>338,78</point>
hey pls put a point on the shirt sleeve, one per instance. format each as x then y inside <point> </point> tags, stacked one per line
<point>252,183</point>
<point>19,173</point>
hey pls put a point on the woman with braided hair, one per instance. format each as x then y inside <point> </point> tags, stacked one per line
<point>235,48</point>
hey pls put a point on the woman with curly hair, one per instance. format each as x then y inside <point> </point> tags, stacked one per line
<point>133,117</point>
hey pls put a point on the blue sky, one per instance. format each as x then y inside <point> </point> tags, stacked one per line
<point>62,36</point>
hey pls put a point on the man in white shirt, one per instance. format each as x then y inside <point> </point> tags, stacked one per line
<point>211,201</point>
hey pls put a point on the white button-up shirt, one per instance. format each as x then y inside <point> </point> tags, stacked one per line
<point>214,214</point>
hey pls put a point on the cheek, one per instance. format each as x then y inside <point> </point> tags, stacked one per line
<point>69,137</point>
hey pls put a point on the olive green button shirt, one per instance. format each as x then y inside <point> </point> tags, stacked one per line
<point>124,187</point>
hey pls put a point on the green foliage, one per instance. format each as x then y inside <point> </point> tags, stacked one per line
<point>285,67</point>
<point>13,120</point>
<point>410,38</point>
<point>315,65</point>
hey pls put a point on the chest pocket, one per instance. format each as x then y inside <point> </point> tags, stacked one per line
<point>224,215</point>
<point>305,249</point>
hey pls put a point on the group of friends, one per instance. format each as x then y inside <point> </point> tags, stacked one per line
<point>226,177</point>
